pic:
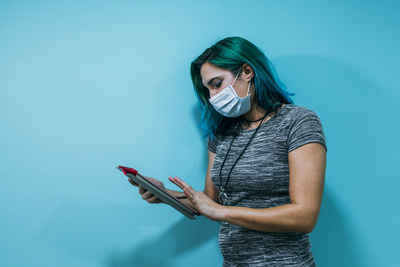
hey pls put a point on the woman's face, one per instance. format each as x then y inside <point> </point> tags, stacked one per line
<point>215,79</point>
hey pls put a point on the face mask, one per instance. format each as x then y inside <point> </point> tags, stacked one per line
<point>229,104</point>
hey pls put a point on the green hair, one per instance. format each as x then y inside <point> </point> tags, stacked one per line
<point>231,53</point>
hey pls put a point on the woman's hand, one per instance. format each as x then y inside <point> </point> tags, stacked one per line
<point>146,195</point>
<point>202,203</point>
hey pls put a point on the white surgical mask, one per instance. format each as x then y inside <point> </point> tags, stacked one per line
<point>229,104</point>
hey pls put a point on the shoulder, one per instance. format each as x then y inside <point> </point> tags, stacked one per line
<point>213,142</point>
<point>303,126</point>
<point>296,112</point>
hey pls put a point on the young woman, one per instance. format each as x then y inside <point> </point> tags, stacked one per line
<point>267,159</point>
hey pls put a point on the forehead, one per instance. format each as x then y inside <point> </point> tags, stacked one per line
<point>209,71</point>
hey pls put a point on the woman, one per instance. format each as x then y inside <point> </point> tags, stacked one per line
<point>267,159</point>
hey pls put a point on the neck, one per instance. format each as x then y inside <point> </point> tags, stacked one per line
<point>255,113</point>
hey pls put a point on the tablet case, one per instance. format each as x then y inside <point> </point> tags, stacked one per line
<point>158,192</point>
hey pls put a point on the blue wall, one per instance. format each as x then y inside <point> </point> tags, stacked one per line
<point>85,87</point>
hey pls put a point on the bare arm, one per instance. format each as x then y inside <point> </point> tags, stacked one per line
<point>209,188</point>
<point>306,182</point>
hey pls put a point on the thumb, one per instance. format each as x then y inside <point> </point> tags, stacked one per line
<point>132,182</point>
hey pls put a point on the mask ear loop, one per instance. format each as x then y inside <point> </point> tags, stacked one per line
<point>248,89</point>
<point>237,76</point>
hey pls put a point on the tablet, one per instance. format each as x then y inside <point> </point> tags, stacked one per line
<point>166,197</point>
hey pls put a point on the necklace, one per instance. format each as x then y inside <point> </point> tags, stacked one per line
<point>253,121</point>
<point>223,197</point>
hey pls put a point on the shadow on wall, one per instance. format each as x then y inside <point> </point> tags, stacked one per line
<point>350,104</point>
<point>333,242</point>
<point>182,237</point>
<point>103,232</point>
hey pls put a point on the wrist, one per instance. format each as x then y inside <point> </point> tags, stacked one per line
<point>223,212</point>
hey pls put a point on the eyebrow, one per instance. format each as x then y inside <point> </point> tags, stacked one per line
<point>209,82</point>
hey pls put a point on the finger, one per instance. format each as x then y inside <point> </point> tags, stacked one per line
<point>187,189</point>
<point>132,182</point>
<point>178,182</point>
<point>142,190</point>
<point>188,193</point>
<point>147,195</point>
<point>154,199</point>
<point>175,182</point>
<point>185,185</point>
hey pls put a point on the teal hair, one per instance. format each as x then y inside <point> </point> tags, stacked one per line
<point>230,54</point>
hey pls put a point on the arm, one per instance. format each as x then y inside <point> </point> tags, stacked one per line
<point>306,182</point>
<point>209,188</point>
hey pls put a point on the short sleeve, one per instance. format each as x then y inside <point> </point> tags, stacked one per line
<point>306,128</point>
<point>212,144</point>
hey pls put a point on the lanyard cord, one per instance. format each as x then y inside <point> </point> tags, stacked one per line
<point>229,175</point>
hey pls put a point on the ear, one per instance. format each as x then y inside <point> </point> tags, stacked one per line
<point>247,73</point>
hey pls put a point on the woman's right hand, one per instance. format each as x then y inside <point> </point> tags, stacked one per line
<point>146,195</point>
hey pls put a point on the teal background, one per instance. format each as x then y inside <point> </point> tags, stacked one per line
<point>89,85</point>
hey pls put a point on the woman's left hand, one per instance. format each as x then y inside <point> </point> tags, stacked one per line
<point>202,203</point>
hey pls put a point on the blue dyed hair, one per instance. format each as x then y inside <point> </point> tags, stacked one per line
<point>230,54</point>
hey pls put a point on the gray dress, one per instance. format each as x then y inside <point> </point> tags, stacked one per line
<point>260,179</point>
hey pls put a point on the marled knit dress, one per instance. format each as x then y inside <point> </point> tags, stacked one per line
<point>260,179</point>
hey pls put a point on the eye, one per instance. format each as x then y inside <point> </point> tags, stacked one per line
<point>217,85</point>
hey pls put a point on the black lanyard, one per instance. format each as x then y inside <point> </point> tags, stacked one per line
<point>223,197</point>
